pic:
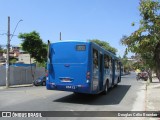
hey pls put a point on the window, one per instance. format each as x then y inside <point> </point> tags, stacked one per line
<point>118,66</point>
<point>81,47</point>
<point>106,61</point>
<point>95,58</point>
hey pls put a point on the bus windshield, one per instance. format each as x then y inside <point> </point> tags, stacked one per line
<point>68,53</point>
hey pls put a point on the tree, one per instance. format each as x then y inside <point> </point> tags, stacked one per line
<point>127,64</point>
<point>12,60</point>
<point>33,44</point>
<point>1,49</point>
<point>146,40</point>
<point>105,45</point>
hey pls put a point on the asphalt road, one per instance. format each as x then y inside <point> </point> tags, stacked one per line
<point>127,96</point>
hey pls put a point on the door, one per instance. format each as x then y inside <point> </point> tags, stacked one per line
<point>101,72</point>
<point>95,76</point>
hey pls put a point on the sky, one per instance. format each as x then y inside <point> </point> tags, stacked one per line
<point>106,20</point>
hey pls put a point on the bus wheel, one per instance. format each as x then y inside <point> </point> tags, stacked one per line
<point>106,88</point>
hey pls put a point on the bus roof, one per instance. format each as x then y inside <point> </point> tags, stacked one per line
<point>89,42</point>
<point>64,41</point>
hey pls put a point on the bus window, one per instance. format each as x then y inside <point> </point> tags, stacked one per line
<point>95,62</point>
<point>106,64</point>
<point>95,58</point>
<point>106,61</point>
<point>115,64</point>
<point>118,66</point>
<point>110,62</point>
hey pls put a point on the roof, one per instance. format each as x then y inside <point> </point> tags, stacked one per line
<point>86,41</point>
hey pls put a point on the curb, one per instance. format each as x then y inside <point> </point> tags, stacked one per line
<point>16,86</point>
<point>1,88</point>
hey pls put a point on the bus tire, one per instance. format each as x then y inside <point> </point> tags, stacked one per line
<point>106,88</point>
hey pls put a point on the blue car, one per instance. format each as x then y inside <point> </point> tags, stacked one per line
<point>41,81</point>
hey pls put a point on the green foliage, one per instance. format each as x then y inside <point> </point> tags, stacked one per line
<point>105,45</point>
<point>12,60</point>
<point>127,64</point>
<point>1,50</point>
<point>133,24</point>
<point>146,40</point>
<point>43,64</point>
<point>33,44</point>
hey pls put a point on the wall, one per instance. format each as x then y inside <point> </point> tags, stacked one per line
<point>20,75</point>
<point>25,58</point>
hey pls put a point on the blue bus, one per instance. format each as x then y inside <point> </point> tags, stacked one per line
<point>81,67</point>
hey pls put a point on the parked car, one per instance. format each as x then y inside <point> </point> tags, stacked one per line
<point>142,75</point>
<point>40,81</point>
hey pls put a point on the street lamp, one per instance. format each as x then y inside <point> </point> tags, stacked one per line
<point>8,49</point>
<point>15,28</point>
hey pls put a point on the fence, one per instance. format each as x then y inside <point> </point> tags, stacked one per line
<point>20,75</point>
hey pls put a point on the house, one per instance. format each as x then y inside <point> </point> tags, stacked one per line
<point>15,50</point>
<point>24,57</point>
<point>20,55</point>
<point>2,59</point>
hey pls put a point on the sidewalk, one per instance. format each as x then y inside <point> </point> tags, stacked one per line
<point>153,96</point>
<point>16,86</point>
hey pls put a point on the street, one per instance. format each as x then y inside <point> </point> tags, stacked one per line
<point>129,95</point>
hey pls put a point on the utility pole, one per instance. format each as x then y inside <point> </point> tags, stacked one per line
<point>7,60</point>
<point>60,36</point>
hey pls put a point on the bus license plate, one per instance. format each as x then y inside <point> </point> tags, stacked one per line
<point>70,87</point>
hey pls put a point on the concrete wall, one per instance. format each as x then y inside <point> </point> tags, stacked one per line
<point>25,58</point>
<point>20,75</point>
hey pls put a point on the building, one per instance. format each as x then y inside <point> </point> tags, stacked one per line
<point>21,56</point>
<point>24,57</point>
<point>2,59</point>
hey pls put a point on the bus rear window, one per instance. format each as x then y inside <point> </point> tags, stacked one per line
<point>80,47</point>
